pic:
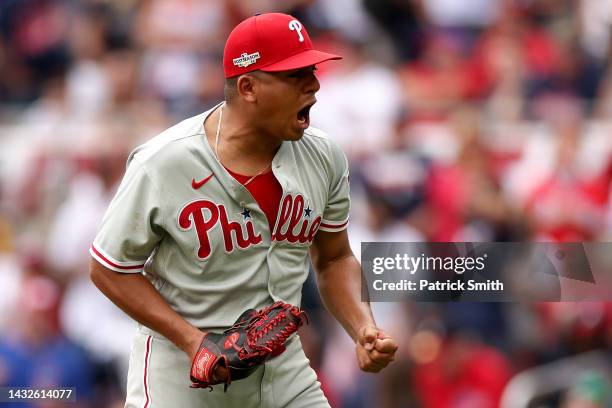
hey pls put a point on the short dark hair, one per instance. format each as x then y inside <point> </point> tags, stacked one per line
<point>231,84</point>
<point>230,90</point>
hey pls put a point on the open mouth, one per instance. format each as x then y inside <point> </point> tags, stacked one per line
<point>303,115</point>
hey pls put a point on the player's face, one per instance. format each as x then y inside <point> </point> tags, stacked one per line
<point>284,101</point>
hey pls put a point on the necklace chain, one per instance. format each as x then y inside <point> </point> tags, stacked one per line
<point>217,147</point>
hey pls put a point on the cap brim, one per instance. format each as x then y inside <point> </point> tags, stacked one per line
<point>301,60</point>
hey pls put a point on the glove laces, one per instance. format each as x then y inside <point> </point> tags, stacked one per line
<point>276,343</point>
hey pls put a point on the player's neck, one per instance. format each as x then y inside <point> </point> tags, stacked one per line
<point>239,132</point>
<point>240,147</point>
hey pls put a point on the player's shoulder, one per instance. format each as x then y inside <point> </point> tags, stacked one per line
<point>315,135</point>
<point>171,140</point>
<point>318,139</point>
<point>317,149</point>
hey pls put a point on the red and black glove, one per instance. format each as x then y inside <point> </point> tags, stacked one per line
<point>255,337</point>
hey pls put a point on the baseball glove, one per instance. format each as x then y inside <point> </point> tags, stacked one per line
<point>255,337</point>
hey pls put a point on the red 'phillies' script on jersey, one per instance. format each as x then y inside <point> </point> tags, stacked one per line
<point>193,211</point>
<point>291,215</point>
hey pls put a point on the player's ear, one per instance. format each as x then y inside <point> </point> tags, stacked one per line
<point>246,87</point>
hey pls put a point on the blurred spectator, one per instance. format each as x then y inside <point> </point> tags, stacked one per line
<point>570,328</point>
<point>436,82</point>
<point>592,390</point>
<point>566,206</point>
<point>464,197</point>
<point>358,103</point>
<point>10,277</point>
<point>347,18</point>
<point>595,26</point>
<point>34,353</point>
<point>403,21</point>
<point>35,36</point>
<point>391,199</point>
<point>97,169</point>
<point>466,120</point>
<point>463,373</point>
<point>173,57</point>
<point>466,14</point>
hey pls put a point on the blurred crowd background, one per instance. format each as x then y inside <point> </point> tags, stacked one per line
<point>463,120</point>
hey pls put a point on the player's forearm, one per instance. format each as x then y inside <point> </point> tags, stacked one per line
<point>339,283</point>
<point>137,297</point>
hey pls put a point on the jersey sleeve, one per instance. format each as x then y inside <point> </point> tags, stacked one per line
<point>132,225</point>
<point>336,213</point>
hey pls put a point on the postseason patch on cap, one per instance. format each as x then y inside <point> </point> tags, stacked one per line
<point>246,59</point>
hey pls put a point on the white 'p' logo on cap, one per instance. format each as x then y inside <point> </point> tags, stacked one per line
<point>295,25</point>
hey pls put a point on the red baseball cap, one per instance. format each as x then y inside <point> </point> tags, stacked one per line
<point>270,42</point>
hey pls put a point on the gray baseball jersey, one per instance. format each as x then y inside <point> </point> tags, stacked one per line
<point>201,237</point>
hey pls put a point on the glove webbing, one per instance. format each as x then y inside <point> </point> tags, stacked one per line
<point>262,325</point>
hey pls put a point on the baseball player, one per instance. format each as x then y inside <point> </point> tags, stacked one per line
<point>223,212</point>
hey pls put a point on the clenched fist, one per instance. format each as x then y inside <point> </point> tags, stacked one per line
<point>375,349</point>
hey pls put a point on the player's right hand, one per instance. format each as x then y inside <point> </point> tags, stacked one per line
<point>255,337</point>
<point>375,349</point>
<point>220,373</point>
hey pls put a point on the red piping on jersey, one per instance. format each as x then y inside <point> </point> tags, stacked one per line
<point>105,259</point>
<point>146,368</point>
<point>324,225</point>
